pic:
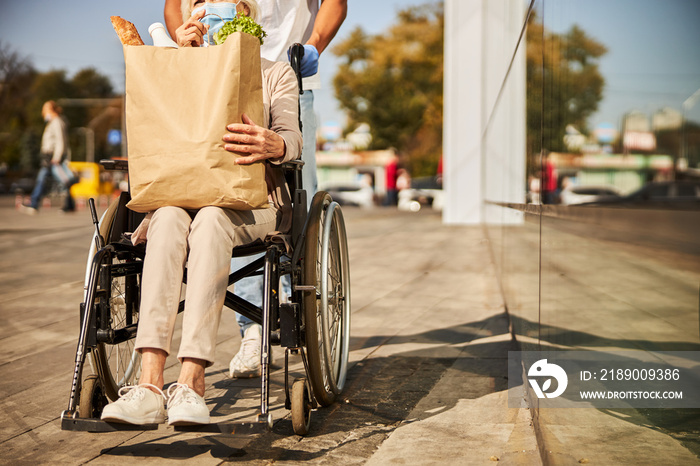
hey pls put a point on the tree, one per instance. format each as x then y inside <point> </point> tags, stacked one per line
<point>15,72</point>
<point>393,82</point>
<point>23,91</point>
<point>564,84</point>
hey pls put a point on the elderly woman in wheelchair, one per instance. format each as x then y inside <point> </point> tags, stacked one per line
<point>132,294</point>
<point>204,240</point>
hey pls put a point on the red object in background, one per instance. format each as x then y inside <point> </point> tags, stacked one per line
<point>549,177</point>
<point>391,175</point>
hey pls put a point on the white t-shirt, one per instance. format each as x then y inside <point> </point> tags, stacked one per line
<point>287,22</point>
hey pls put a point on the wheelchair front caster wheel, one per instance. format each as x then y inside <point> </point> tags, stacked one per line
<point>301,407</point>
<point>92,398</point>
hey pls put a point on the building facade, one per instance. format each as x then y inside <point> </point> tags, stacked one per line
<point>623,272</point>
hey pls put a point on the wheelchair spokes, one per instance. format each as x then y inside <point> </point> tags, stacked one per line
<point>328,310</point>
<point>115,359</point>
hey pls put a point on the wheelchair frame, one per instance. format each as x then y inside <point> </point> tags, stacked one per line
<point>314,325</point>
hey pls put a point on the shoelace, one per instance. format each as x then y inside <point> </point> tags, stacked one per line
<point>181,393</point>
<point>250,347</point>
<point>129,392</point>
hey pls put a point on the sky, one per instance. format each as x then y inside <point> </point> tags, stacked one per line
<point>76,34</point>
<point>653,59</point>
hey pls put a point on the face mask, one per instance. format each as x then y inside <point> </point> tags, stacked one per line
<point>216,15</point>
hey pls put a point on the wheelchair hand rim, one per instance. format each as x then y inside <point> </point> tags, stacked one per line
<point>336,369</point>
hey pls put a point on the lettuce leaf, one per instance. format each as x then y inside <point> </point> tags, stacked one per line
<point>239,24</point>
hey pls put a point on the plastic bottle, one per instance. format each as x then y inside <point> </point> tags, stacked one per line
<point>160,36</point>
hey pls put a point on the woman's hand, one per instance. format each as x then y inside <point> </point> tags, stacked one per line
<point>261,143</point>
<point>140,234</point>
<point>191,33</point>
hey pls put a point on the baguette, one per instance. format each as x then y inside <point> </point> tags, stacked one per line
<point>126,31</point>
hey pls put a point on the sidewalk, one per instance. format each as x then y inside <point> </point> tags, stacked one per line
<point>427,382</point>
<point>433,290</point>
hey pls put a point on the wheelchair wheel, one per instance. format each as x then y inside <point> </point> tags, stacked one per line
<point>327,312</point>
<point>116,364</point>
<point>92,397</point>
<point>301,407</point>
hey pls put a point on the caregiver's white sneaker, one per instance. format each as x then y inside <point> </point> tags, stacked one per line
<point>246,363</point>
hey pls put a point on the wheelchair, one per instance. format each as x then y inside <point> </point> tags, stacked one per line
<point>314,325</point>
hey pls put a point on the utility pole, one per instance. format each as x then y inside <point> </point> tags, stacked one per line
<point>687,105</point>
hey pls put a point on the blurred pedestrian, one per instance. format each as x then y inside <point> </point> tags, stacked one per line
<point>403,179</point>
<point>55,155</point>
<point>390,170</point>
<point>549,185</point>
<point>312,23</point>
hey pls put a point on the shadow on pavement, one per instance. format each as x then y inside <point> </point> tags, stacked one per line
<point>380,394</point>
<point>680,424</point>
<point>572,338</point>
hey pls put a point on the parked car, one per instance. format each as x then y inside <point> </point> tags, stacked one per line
<point>23,186</point>
<point>572,195</point>
<point>424,192</point>
<point>660,194</point>
<point>351,194</point>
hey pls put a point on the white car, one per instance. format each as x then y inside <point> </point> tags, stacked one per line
<point>351,194</point>
<point>425,191</point>
<point>573,195</point>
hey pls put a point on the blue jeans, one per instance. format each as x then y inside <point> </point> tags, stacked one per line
<point>251,288</point>
<point>63,175</point>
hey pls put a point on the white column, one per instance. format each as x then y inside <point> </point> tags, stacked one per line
<point>484,110</point>
<point>463,116</point>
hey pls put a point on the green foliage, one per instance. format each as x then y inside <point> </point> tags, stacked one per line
<point>565,67</point>
<point>393,82</point>
<point>23,91</point>
<point>239,24</point>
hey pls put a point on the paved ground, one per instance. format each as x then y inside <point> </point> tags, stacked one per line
<point>427,384</point>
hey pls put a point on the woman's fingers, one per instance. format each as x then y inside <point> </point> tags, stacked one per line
<point>247,120</point>
<point>249,138</point>
<point>189,36</point>
<point>250,159</point>
<point>191,33</point>
<point>244,136</point>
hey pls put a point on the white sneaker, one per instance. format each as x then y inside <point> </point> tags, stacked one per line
<point>246,363</point>
<point>138,405</point>
<point>185,406</point>
<point>29,210</point>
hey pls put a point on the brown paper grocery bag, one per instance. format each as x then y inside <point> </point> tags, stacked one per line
<point>178,103</point>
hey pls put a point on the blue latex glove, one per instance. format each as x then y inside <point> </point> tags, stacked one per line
<point>309,63</point>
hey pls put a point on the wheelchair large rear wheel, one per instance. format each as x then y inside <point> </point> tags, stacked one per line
<point>327,311</point>
<point>117,364</point>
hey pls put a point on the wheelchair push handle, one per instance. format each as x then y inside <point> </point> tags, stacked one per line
<point>99,240</point>
<point>296,54</point>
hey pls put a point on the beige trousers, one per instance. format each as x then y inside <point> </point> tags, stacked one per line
<point>208,235</point>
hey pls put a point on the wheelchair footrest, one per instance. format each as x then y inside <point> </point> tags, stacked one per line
<point>229,428</point>
<point>98,425</point>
